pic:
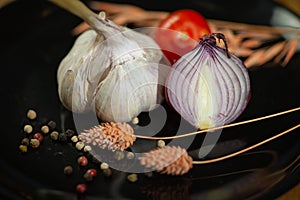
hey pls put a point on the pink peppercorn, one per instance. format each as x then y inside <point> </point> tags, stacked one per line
<point>82,161</point>
<point>93,172</point>
<point>81,188</point>
<point>38,136</point>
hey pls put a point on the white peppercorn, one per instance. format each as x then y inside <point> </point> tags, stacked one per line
<point>104,166</point>
<point>161,143</point>
<point>54,135</point>
<point>34,143</point>
<point>135,120</point>
<point>28,128</point>
<point>45,129</point>
<point>74,139</point>
<point>31,114</point>
<point>79,145</point>
<point>119,155</point>
<point>130,155</point>
<point>87,148</point>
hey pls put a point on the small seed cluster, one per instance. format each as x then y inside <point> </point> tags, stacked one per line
<point>112,136</point>
<point>35,133</point>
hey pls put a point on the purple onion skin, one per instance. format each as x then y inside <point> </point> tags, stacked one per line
<point>208,86</point>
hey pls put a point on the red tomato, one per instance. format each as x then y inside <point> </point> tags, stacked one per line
<point>179,33</point>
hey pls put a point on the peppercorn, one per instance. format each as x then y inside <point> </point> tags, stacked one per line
<point>28,129</point>
<point>82,161</point>
<point>135,120</point>
<point>87,148</point>
<point>31,114</point>
<point>107,172</point>
<point>38,136</point>
<point>62,137</point>
<point>79,145</point>
<point>130,155</point>
<point>45,129</point>
<point>54,135</point>
<point>161,143</point>
<point>25,141</point>
<point>23,148</point>
<point>81,188</point>
<point>149,174</point>
<point>52,125</point>
<point>34,143</point>
<point>88,177</point>
<point>74,139</point>
<point>68,170</point>
<point>132,177</point>
<point>119,155</point>
<point>104,166</point>
<point>69,133</point>
<point>92,171</point>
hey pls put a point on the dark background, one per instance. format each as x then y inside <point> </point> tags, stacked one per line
<point>35,36</point>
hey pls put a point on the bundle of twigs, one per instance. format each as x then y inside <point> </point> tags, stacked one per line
<point>256,44</point>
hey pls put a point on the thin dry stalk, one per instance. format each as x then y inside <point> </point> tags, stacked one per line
<point>248,41</point>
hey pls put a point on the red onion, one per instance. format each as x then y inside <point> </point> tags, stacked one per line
<point>208,86</point>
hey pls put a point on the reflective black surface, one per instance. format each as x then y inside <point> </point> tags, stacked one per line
<point>35,36</point>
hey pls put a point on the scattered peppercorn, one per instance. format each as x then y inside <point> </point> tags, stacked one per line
<point>31,114</point>
<point>74,139</point>
<point>130,155</point>
<point>79,145</point>
<point>119,155</point>
<point>132,177</point>
<point>52,125</point>
<point>38,136</point>
<point>45,129</point>
<point>92,171</point>
<point>25,141</point>
<point>88,177</point>
<point>107,172</point>
<point>28,129</point>
<point>62,137</point>
<point>104,166</point>
<point>135,120</point>
<point>149,174</point>
<point>34,143</point>
<point>23,148</point>
<point>69,133</point>
<point>81,188</point>
<point>161,143</point>
<point>68,170</point>
<point>87,148</point>
<point>54,135</point>
<point>82,161</point>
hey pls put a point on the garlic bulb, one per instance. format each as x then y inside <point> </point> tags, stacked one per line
<point>208,86</point>
<point>112,70</point>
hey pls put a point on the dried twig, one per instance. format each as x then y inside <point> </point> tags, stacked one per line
<point>256,44</point>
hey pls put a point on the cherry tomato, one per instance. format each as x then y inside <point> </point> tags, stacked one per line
<point>179,33</point>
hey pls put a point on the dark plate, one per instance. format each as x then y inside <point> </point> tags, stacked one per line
<point>35,36</point>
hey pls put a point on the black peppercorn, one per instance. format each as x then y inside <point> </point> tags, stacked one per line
<point>52,125</point>
<point>62,137</point>
<point>69,133</point>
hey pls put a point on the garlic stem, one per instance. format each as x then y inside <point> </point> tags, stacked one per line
<point>80,10</point>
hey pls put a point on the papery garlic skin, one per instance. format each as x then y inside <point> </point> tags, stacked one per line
<point>114,75</point>
<point>207,87</point>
